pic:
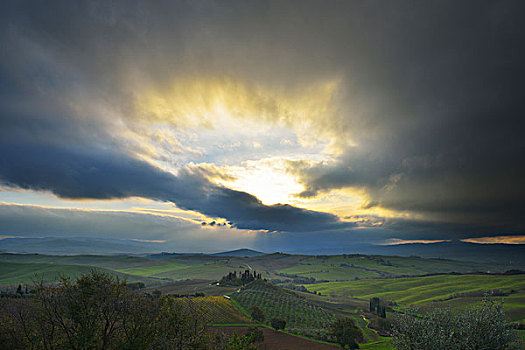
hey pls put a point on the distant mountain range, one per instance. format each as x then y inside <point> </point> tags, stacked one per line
<point>85,245</point>
<point>241,253</point>
<point>512,255</point>
<point>508,254</point>
<point>166,255</point>
<point>77,245</point>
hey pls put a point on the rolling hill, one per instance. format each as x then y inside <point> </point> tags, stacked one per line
<point>241,253</point>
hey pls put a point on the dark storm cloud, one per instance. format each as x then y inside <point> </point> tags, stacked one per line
<point>445,139</point>
<point>80,174</point>
<point>58,48</point>
<point>34,221</point>
<point>430,94</point>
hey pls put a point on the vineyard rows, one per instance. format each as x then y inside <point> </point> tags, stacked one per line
<point>216,309</point>
<point>301,316</point>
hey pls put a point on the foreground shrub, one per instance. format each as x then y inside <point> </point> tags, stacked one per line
<point>98,312</point>
<point>240,343</point>
<point>345,332</point>
<point>255,334</point>
<point>257,313</point>
<point>477,328</point>
<point>278,323</point>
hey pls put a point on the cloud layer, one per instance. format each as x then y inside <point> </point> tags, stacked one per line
<point>87,174</point>
<point>417,106</point>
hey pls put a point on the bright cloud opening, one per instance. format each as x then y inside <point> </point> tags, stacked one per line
<point>496,240</point>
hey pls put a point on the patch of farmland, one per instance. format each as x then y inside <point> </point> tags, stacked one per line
<point>217,310</point>
<point>423,290</point>
<point>301,316</point>
<point>209,271</point>
<point>152,270</point>
<point>385,266</point>
<point>26,273</point>
<point>108,262</point>
<point>15,273</point>
<point>189,287</point>
<point>329,273</point>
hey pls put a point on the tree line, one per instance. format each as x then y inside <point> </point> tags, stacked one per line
<point>234,279</point>
<point>98,311</point>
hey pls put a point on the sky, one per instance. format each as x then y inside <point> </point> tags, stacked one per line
<point>274,125</point>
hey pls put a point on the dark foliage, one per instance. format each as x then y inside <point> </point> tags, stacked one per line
<point>278,323</point>
<point>234,279</point>
<point>255,334</point>
<point>240,343</point>
<point>345,332</point>
<point>99,312</point>
<point>377,307</point>
<point>257,313</point>
<point>481,327</point>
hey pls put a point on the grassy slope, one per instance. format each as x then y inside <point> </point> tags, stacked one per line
<point>190,287</point>
<point>15,273</point>
<point>206,271</point>
<point>181,268</point>
<point>329,273</point>
<point>329,268</point>
<point>422,290</point>
<point>415,290</point>
<point>26,273</point>
<point>350,267</point>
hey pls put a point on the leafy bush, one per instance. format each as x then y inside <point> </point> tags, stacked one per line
<point>481,327</point>
<point>256,313</point>
<point>278,323</point>
<point>232,279</point>
<point>98,312</point>
<point>240,343</point>
<point>255,334</point>
<point>345,332</point>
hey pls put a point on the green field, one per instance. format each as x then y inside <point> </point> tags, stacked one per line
<point>424,290</point>
<point>172,269</point>
<point>417,290</point>
<point>15,273</point>
<point>330,273</point>
<point>352,267</point>
<point>277,267</point>
<point>29,273</point>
